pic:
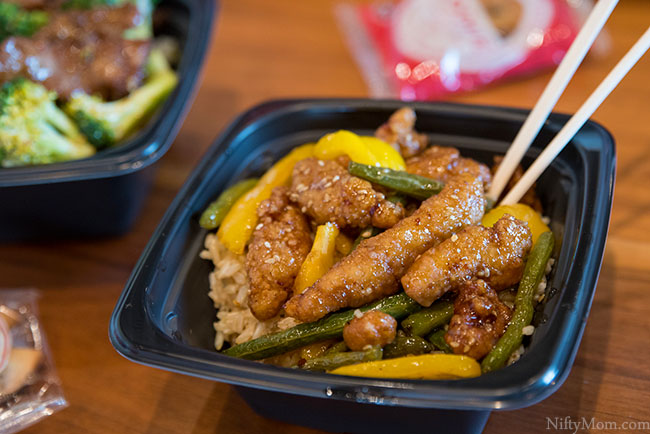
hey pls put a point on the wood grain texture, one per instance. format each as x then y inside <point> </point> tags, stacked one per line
<point>269,49</point>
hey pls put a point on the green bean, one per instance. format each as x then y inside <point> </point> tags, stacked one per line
<point>524,304</point>
<point>398,306</point>
<point>423,322</point>
<point>336,348</point>
<point>217,210</point>
<point>407,345</point>
<point>328,362</point>
<point>416,186</point>
<point>368,232</point>
<point>437,338</point>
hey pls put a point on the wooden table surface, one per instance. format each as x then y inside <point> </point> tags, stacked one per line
<point>262,50</point>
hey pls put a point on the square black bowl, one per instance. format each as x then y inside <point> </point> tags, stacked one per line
<point>164,317</point>
<point>102,195</point>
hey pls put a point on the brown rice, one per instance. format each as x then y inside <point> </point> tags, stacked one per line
<point>229,293</point>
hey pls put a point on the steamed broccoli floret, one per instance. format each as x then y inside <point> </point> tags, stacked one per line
<point>33,130</point>
<point>19,22</point>
<point>106,123</point>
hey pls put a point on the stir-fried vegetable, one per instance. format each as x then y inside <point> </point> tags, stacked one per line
<point>217,210</point>
<point>520,211</point>
<point>524,306</point>
<point>405,346</point>
<point>423,367</point>
<point>330,361</point>
<point>365,150</point>
<point>423,322</point>
<point>437,338</point>
<point>398,306</point>
<point>320,258</point>
<point>239,224</point>
<point>337,348</point>
<point>343,244</point>
<point>415,186</point>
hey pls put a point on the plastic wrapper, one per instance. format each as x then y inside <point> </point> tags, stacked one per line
<point>429,49</point>
<point>29,386</point>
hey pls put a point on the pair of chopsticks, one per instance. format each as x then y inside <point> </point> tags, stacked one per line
<point>583,41</point>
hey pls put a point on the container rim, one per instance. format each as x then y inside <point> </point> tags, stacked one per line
<point>509,388</point>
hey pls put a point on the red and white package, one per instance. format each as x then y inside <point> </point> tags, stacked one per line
<point>428,49</point>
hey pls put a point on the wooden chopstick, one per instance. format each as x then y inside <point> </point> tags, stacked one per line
<point>577,120</point>
<point>583,41</point>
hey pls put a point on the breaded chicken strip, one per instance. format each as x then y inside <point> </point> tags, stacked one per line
<point>494,254</point>
<point>372,271</point>
<point>479,320</point>
<point>326,192</point>
<point>279,246</point>
<point>445,163</point>
<point>399,132</point>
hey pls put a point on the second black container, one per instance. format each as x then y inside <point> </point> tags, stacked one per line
<point>102,195</point>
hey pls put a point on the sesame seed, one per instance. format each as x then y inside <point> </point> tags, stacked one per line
<point>260,226</point>
<point>303,209</point>
<point>336,178</point>
<point>321,163</point>
<point>454,238</point>
<point>358,313</point>
<point>328,185</point>
<point>267,244</point>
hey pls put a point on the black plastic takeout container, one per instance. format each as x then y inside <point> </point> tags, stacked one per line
<point>164,317</point>
<point>102,195</point>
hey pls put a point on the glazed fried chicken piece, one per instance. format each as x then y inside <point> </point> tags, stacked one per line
<point>444,163</point>
<point>373,270</point>
<point>479,320</point>
<point>399,132</point>
<point>279,246</point>
<point>370,329</point>
<point>495,254</point>
<point>326,192</point>
<point>530,198</point>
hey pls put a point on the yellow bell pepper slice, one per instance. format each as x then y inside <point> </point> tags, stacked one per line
<point>344,244</point>
<point>320,258</point>
<point>364,150</point>
<point>239,224</point>
<point>424,367</point>
<point>386,155</point>
<point>520,211</point>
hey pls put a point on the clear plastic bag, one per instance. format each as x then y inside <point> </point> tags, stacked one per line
<point>29,386</point>
<point>429,49</point>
